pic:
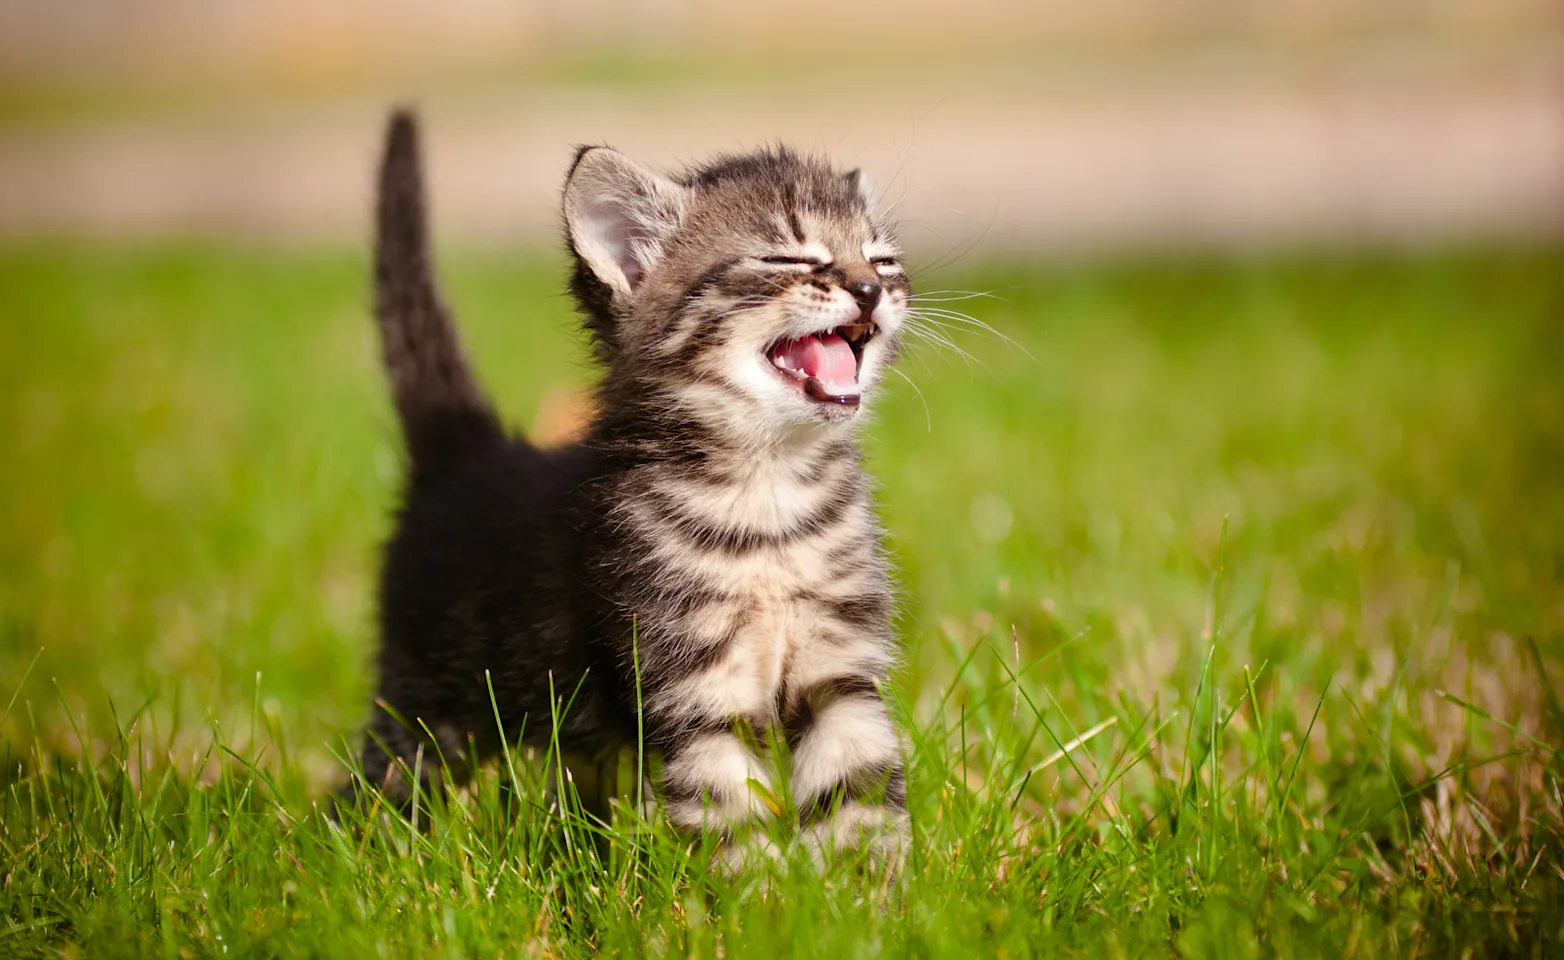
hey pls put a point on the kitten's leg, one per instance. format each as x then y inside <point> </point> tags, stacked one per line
<point>715,784</point>
<point>704,723</point>
<point>713,780</point>
<point>394,753</point>
<point>604,787</point>
<point>595,778</point>
<point>847,778</point>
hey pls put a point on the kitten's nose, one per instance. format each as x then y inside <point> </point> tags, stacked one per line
<point>866,292</point>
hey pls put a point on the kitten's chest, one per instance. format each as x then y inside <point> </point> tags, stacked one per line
<point>762,565</point>
<point>778,629</point>
<point>778,618</point>
<point>767,534</point>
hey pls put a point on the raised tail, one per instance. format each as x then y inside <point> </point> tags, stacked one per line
<point>444,413</point>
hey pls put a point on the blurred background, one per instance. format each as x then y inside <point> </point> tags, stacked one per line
<point>996,124</point>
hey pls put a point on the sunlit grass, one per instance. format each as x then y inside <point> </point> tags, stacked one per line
<point>1231,596</point>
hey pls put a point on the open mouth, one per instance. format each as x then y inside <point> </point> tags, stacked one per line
<point>825,365</point>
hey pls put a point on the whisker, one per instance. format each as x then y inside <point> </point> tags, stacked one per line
<point>929,334</point>
<point>955,254</point>
<point>937,314</point>
<point>939,296</point>
<point>933,335</point>
<point>928,419</point>
<point>899,174</point>
<point>940,317</point>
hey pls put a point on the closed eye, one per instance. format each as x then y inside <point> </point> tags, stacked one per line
<point>784,261</point>
<point>886,264</point>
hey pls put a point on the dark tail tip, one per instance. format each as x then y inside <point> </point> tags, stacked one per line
<point>401,187</point>
<point>402,131</point>
<point>401,154</point>
<point>443,411</point>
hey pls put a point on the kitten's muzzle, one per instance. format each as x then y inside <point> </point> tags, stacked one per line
<point>825,365</point>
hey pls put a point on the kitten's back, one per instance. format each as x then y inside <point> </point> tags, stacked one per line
<point>482,586</point>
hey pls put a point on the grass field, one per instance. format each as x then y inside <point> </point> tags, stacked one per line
<point>1234,617</point>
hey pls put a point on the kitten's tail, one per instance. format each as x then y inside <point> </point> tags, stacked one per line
<point>443,410</point>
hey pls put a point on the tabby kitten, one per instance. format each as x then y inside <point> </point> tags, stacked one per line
<point>712,541</point>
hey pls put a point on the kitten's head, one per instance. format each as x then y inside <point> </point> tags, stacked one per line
<point>758,293</point>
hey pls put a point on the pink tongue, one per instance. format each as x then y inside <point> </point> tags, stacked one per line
<point>826,357</point>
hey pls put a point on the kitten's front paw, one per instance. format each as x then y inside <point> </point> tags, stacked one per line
<point>880,832</point>
<point>745,853</point>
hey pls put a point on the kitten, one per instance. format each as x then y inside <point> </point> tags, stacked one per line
<point>711,541</point>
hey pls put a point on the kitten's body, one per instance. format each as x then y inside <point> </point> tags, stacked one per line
<point>715,527</point>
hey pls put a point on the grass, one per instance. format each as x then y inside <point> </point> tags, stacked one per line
<point>1233,616</point>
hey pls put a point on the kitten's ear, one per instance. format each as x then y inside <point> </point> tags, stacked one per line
<point>620,216</point>
<point>863,185</point>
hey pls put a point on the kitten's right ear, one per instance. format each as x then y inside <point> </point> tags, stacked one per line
<point>620,217</point>
<point>863,185</point>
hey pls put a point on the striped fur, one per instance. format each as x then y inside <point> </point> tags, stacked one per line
<point>715,529</point>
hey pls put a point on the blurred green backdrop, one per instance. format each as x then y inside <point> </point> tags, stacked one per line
<point>1270,434</point>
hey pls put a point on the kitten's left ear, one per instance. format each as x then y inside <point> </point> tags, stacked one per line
<point>620,217</point>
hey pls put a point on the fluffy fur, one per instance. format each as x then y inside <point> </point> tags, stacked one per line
<point>717,513</point>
